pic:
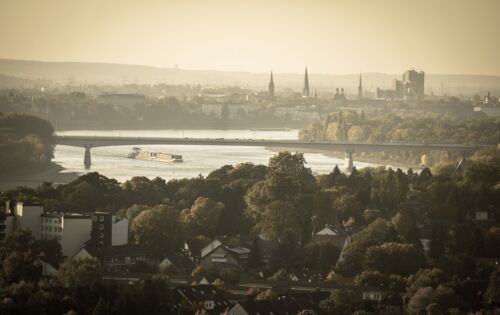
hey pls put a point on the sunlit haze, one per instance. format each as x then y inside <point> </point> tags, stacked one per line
<point>338,37</point>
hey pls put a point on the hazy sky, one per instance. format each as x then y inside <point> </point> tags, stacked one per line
<point>349,36</point>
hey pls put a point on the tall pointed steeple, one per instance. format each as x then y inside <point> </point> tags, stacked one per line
<point>360,88</point>
<point>271,87</point>
<point>305,91</point>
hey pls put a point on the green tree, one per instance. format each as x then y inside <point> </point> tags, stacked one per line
<point>294,166</point>
<point>142,190</point>
<point>341,302</point>
<point>204,215</point>
<point>405,224</point>
<point>91,192</point>
<point>157,229</point>
<point>356,134</point>
<point>27,143</point>
<point>372,279</point>
<point>283,201</point>
<point>84,272</point>
<point>396,258</point>
<point>425,278</point>
<point>19,253</point>
<point>424,297</point>
<point>131,212</point>
<point>376,233</point>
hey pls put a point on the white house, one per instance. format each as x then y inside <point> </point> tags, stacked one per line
<point>218,254</point>
<point>28,217</point>
<point>116,258</point>
<point>24,216</point>
<point>331,234</point>
<point>119,231</point>
<point>71,230</point>
<point>374,295</point>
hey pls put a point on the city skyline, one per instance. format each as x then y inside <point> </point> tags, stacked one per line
<point>331,37</point>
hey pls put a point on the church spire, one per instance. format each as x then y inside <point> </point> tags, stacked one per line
<point>305,92</point>
<point>271,87</point>
<point>360,88</point>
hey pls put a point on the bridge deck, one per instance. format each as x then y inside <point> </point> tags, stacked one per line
<point>100,141</point>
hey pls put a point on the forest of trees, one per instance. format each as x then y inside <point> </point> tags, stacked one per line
<point>387,212</point>
<point>78,110</point>
<point>26,143</point>
<point>77,289</point>
<point>404,127</point>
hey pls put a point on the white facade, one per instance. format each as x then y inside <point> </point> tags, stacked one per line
<point>237,309</point>
<point>28,217</point>
<point>119,231</point>
<point>71,230</point>
<point>234,110</point>
<point>76,231</point>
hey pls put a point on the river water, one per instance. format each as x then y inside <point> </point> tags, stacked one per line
<point>113,162</point>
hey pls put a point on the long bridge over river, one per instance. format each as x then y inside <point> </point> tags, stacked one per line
<point>349,148</point>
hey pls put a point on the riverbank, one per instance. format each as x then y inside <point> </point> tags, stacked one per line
<point>53,174</point>
<point>340,155</point>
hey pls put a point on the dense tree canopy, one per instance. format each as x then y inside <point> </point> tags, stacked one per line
<point>403,127</point>
<point>26,143</point>
<point>157,229</point>
<point>408,232</point>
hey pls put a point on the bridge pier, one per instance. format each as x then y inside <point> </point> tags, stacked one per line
<point>87,159</point>
<point>348,161</point>
<point>426,160</point>
<point>462,164</point>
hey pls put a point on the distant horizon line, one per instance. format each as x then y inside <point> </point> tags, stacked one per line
<point>246,71</point>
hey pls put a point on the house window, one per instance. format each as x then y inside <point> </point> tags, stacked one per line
<point>101,226</point>
<point>101,218</point>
